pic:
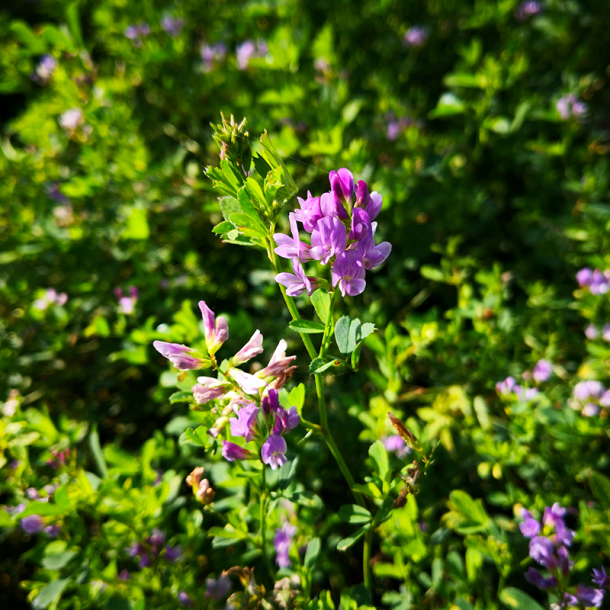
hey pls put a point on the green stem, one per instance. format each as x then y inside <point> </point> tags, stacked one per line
<point>263,499</point>
<point>366,560</point>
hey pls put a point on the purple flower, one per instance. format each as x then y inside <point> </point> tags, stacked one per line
<point>553,515</point>
<point>246,423</point>
<point>133,32</point>
<point>394,443</point>
<point>584,390</point>
<point>291,247</point>
<point>286,420</point>
<point>173,553</point>
<point>332,207</point>
<point>274,450</point>
<point>211,54</point>
<point>393,130</point>
<point>177,354</point>
<point>604,401</point>
<point>361,225</point>
<point>600,578</point>
<point>599,283</point>
<point>208,389</point>
<point>589,596</point>
<point>342,186</point>
<point>32,493</point>
<point>271,402</point>
<point>530,527</point>
<point>310,212</point>
<point>185,600</point>
<point>32,524</point>
<point>416,36</point>
<point>250,384</point>
<point>570,106</point>
<point>563,560</point>
<point>296,282</point>
<point>52,530</point>
<point>590,410</point>
<point>328,239</point>
<point>372,255</point>
<point>71,119</point>
<point>525,394</point>
<point>217,587</point>
<point>281,542</point>
<point>505,388</point>
<point>591,332</point>
<point>541,550</point>
<point>124,574</point>
<point>348,273</point>
<point>172,25</point>
<point>232,452</point>
<point>247,50</point>
<point>216,329</point>
<point>542,371</point>
<point>533,576</point>
<point>527,9</point>
<point>584,277</point>
<point>279,362</point>
<point>157,537</point>
<point>44,70</point>
<point>254,347</point>
<point>563,535</point>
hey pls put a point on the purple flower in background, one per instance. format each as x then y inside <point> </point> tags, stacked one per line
<point>248,50</point>
<point>50,297</point>
<point>348,273</point>
<point>246,423</point>
<point>328,239</point>
<point>296,282</point>
<point>185,600</point>
<point>563,535</point>
<point>530,527</point>
<point>395,444</point>
<point>600,578</point>
<point>584,277</point>
<point>209,388</point>
<point>157,538</point>
<point>585,390</point>
<point>273,451</point>
<point>527,9</point>
<point>134,32</point>
<point>534,577</point>
<point>124,574</point>
<point>589,597</point>
<point>541,550</point>
<point>591,332</point>
<point>553,515</point>
<point>232,452</point>
<point>254,347</point>
<point>281,542</point>
<point>217,587</point>
<point>212,54</point>
<point>604,401</point>
<point>599,282</point>
<point>44,70</point>
<point>216,329</point>
<point>606,332</point>
<point>416,36</point>
<point>127,304</point>
<point>570,106</point>
<point>178,355</point>
<point>173,553</point>
<point>563,560</point>
<point>525,394</point>
<point>71,119</point>
<point>32,524</point>
<point>397,126</point>
<point>172,25</point>
<point>52,530</point>
<point>542,371</point>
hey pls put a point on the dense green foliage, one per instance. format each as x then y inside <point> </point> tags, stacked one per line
<point>492,201</point>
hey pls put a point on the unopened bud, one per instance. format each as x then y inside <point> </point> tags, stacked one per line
<point>404,433</point>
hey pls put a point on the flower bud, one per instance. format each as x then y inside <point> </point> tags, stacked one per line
<point>251,349</point>
<point>216,330</point>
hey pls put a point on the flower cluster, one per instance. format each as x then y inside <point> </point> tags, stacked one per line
<point>598,282</point>
<point>342,233</point>
<point>570,106</point>
<point>154,546</point>
<point>212,54</point>
<point>248,50</point>
<point>44,70</point>
<point>542,371</point>
<point>135,33</point>
<point>416,36</point>
<point>588,396</point>
<point>528,9</point>
<point>549,543</point>
<point>253,398</point>
<point>281,542</point>
<point>127,304</point>
<point>509,387</point>
<point>172,25</point>
<point>593,332</point>
<point>50,297</point>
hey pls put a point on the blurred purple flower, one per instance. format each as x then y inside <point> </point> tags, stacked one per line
<point>505,388</point>
<point>52,530</point>
<point>178,355</point>
<point>395,444</point>
<point>534,577</point>
<point>124,574</point>
<point>416,36</point>
<point>542,371</point>
<point>600,578</point>
<point>527,9</point>
<point>217,587</point>
<point>584,277</point>
<point>530,527</point>
<point>32,524</point>
<point>44,70</point>
<point>173,553</point>
<point>591,332</point>
<point>589,597</point>
<point>71,119</point>
<point>172,25</point>
<point>185,600</point>
<point>541,550</point>
<point>281,542</point>
<point>570,106</point>
<point>248,50</point>
<point>212,54</point>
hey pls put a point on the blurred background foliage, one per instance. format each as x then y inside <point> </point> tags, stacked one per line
<point>494,197</point>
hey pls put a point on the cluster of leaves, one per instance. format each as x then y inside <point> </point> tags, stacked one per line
<point>492,202</point>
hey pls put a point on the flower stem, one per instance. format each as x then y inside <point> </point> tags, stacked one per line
<point>366,560</point>
<point>263,498</point>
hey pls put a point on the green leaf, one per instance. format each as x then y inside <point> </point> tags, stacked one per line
<point>432,273</point>
<point>306,326</point>
<point>356,355</point>
<point>98,456</point>
<point>231,174</point>
<point>515,598</point>
<point>41,508</point>
<point>180,397</point>
<point>228,206</point>
<point>198,437</point>
<point>462,79</point>
<point>59,560</point>
<point>224,227</point>
<point>137,225</point>
<point>319,365</point>
<point>320,300</point>
<point>296,398</point>
<point>27,37</point>
<point>228,531</point>
<point>352,513</point>
<point>256,192</point>
<point>251,227</point>
<point>448,105</point>
<point>273,159</point>
<point>379,455</point>
<point>262,167</point>
<point>62,499</point>
<point>50,593</point>
<point>312,553</point>
<point>600,487</point>
<point>350,540</point>
<point>307,498</point>
<point>246,205</point>
<point>73,21</point>
<point>345,329</point>
<point>287,472</point>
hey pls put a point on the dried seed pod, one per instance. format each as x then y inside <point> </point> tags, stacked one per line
<point>404,433</point>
